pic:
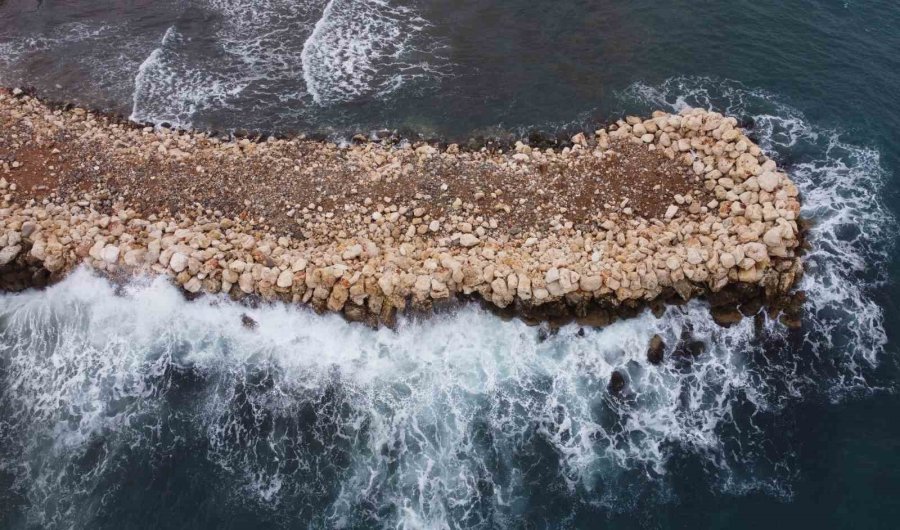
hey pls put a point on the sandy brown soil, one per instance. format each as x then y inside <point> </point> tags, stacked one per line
<point>274,186</point>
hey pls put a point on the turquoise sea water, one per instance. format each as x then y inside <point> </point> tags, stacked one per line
<point>137,409</point>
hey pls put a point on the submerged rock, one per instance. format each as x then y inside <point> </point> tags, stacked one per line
<point>248,322</point>
<point>616,383</point>
<point>726,316</point>
<point>655,350</point>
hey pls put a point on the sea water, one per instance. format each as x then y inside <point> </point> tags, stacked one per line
<point>129,407</point>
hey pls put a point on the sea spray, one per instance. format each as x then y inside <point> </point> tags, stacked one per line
<point>316,411</point>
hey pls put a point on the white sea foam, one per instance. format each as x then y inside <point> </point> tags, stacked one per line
<point>283,52</point>
<point>366,48</point>
<point>168,88</point>
<point>455,421</point>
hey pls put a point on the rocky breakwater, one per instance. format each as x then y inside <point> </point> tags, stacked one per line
<point>674,206</point>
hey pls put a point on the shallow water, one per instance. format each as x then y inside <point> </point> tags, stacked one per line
<point>133,408</point>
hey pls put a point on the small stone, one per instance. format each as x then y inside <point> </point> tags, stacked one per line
<point>110,254</point>
<point>671,211</point>
<point>285,279</point>
<point>591,283</point>
<point>246,283</point>
<point>353,252</point>
<point>134,258</point>
<point>230,276</point>
<point>8,254</point>
<point>727,260</point>
<point>756,251</point>
<point>768,181</point>
<point>178,262</point>
<point>468,240</point>
<point>552,276</point>
<point>694,257</point>
<point>193,285</point>
<point>772,237</point>
<point>28,229</point>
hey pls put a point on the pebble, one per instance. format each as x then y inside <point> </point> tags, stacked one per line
<point>468,240</point>
<point>178,262</point>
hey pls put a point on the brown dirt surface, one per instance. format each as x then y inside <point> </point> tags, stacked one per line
<point>274,182</point>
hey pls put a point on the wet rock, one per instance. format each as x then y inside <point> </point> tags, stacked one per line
<point>544,333</point>
<point>248,322</point>
<point>656,350</point>
<point>687,348</point>
<point>726,316</point>
<point>790,320</point>
<point>616,383</point>
<point>596,318</point>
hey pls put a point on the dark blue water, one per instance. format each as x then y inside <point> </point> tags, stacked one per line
<point>140,410</point>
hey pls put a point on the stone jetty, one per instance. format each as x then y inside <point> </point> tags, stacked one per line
<point>672,206</point>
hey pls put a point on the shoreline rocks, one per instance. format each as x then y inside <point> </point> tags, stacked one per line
<point>732,226</point>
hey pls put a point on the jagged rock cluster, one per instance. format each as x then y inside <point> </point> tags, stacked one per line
<point>734,222</point>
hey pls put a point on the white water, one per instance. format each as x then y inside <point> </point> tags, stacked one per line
<point>365,49</point>
<point>449,421</point>
<point>167,90</point>
<point>275,52</point>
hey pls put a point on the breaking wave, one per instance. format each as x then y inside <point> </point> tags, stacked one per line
<point>284,54</point>
<point>365,49</point>
<point>842,187</point>
<point>457,421</point>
